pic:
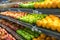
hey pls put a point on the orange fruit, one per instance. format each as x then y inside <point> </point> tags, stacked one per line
<point>48,38</point>
<point>54,4</point>
<point>58,4</point>
<point>44,5</point>
<point>49,4</point>
<point>55,24</point>
<point>58,28</point>
<point>53,38</point>
<point>36,5</point>
<point>42,36</point>
<point>39,23</point>
<point>38,38</point>
<point>41,5</point>
<point>49,22</point>
<point>44,23</point>
<point>34,39</point>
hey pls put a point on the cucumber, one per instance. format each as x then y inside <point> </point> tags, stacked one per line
<point>20,32</point>
<point>28,34</point>
<point>36,34</point>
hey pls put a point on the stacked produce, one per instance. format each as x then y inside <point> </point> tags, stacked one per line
<point>24,32</point>
<point>44,37</point>
<point>41,20</point>
<point>27,33</point>
<point>14,14</point>
<point>32,18</point>
<point>4,35</point>
<point>27,5</point>
<point>11,25</point>
<point>50,22</point>
<point>48,4</point>
<point>41,4</point>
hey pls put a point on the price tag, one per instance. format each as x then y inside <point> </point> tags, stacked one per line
<point>34,11</point>
<point>9,9</point>
<point>33,29</point>
<point>36,29</point>
<point>19,10</point>
<point>40,12</point>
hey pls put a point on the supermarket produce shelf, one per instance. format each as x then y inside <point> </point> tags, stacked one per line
<point>11,32</point>
<point>16,21</point>
<point>17,9</point>
<point>49,11</point>
<point>47,32</point>
<point>44,11</point>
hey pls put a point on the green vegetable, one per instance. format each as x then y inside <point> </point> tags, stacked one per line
<point>36,34</point>
<point>40,0</point>
<point>26,35</point>
<point>29,5</point>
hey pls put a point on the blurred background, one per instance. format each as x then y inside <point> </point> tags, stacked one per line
<point>15,0</point>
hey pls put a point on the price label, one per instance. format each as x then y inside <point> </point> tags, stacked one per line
<point>35,11</point>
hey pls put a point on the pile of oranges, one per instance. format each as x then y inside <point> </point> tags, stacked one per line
<point>48,4</point>
<point>50,22</point>
<point>44,37</point>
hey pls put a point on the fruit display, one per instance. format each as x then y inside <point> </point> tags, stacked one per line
<point>27,33</point>
<point>4,35</point>
<point>14,14</point>
<point>44,37</point>
<point>41,4</point>
<point>24,32</point>
<point>27,5</point>
<point>50,22</point>
<point>32,18</point>
<point>11,25</point>
<point>41,20</point>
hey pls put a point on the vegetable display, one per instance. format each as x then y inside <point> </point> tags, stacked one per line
<point>34,33</point>
<point>41,4</point>
<point>27,33</point>
<point>4,35</point>
<point>28,5</point>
